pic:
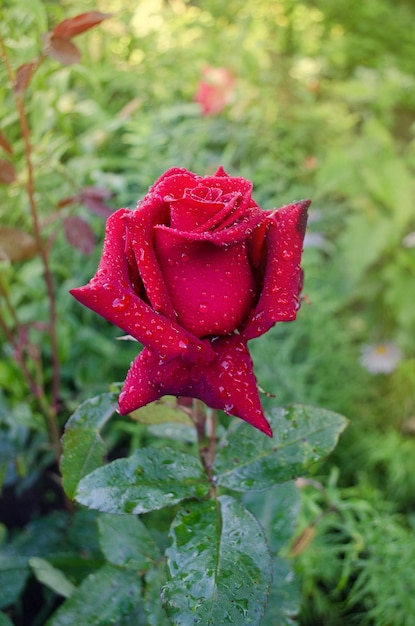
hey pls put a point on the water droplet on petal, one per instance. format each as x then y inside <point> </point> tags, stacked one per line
<point>183,344</point>
<point>120,304</point>
<point>203,307</point>
<point>108,286</point>
<point>287,255</point>
<point>184,257</point>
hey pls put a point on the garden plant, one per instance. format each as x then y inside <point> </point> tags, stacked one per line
<point>170,451</point>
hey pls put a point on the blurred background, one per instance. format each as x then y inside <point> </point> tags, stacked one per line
<point>308,99</point>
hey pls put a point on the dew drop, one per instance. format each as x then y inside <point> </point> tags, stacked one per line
<point>120,304</point>
<point>287,255</point>
<point>184,257</point>
<point>202,307</point>
<point>183,344</point>
<point>149,333</point>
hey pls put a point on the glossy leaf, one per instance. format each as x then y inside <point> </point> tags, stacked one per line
<point>83,448</point>
<point>125,541</point>
<point>146,481</point>
<point>79,234</point>
<point>101,599</point>
<point>247,461</point>
<point>52,577</point>
<point>219,565</point>
<point>79,24</point>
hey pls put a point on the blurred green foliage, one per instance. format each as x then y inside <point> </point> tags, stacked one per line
<point>323,107</point>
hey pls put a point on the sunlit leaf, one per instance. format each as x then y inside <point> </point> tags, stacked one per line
<point>79,24</point>
<point>146,481</point>
<point>16,244</point>
<point>61,49</point>
<point>162,411</point>
<point>79,234</point>
<point>125,541</point>
<point>7,172</point>
<point>246,460</point>
<point>219,565</point>
<point>83,448</point>
<point>52,577</point>
<point>101,599</point>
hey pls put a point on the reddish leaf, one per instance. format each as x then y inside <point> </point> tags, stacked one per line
<point>5,144</point>
<point>7,172</point>
<point>61,49</point>
<point>24,76</point>
<point>79,234</point>
<point>93,198</point>
<point>16,244</point>
<point>98,193</point>
<point>79,24</point>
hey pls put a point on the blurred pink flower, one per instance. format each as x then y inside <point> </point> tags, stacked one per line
<point>215,90</point>
<point>380,358</point>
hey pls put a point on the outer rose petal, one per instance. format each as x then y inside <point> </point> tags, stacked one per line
<point>283,278</point>
<point>212,288</point>
<point>227,383</point>
<point>110,294</point>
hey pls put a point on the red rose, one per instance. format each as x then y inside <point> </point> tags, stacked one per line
<point>193,273</point>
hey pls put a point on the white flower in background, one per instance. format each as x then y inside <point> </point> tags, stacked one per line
<point>380,358</point>
<point>409,240</point>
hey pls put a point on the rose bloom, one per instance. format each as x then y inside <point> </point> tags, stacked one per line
<point>215,90</point>
<point>194,273</point>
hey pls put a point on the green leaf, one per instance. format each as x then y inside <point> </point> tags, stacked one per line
<point>14,572</point>
<point>102,598</point>
<point>83,448</point>
<point>285,596</point>
<point>155,578</point>
<point>246,460</point>
<point>126,541</point>
<point>277,511</point>
<point>52,577</point>
<point>4,620</point>
<point>219,565</point>
<point>148,480</point>
<point>161,411</point>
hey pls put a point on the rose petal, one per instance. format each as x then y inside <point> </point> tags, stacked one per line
<point>111,295</point>
<point>283,277</point>
<point>227,383</point>
<point>140,224</point>
<point>211,288</point>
